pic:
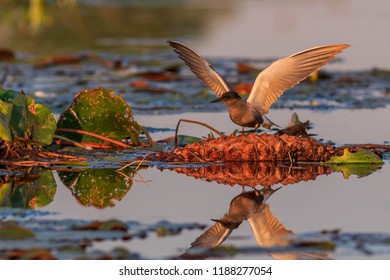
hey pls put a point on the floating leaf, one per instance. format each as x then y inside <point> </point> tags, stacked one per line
<point>361,156</point>
<point>163,231</point>
<point>6,55</point>
<point>243,88</point>
<point>358,169</point>
<point>187,139</point>
<point>111,225</point>
<point>99,111</point>
<point>15,232</point>
<point>25,118</point>
<point>36,254</point>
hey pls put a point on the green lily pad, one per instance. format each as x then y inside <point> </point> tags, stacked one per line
<point>186,139</point>
<point>361,156</point>
<point>21,115</point>
<point>98,187</point>
<point>100,112</point>
<point>110,225</point>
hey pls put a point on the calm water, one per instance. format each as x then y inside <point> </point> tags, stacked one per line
<point>327,203</point>
<point>249,28</point>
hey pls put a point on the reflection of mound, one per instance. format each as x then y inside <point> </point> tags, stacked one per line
<point>97,187</point>
<point>253,174</point>
<point>33,190</point>
<point>251,147</point>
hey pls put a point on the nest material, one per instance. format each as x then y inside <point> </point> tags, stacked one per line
<point>251,147</point>
<point>253,174</point>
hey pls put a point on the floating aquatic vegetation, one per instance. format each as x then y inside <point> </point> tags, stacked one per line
<point>253,174</point>
<point>21,117</point>
<point>98,187</point>
<point>74,239</point>
<point>99,111</point>
<point>29,191</point>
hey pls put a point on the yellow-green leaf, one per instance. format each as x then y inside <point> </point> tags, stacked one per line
<point>362,156</point>
<point>15,232</point>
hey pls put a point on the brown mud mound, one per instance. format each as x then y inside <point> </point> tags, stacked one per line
<point>250,147</point>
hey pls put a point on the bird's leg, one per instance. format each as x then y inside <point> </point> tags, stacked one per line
<point>243,130</point>
<point>256,127</point>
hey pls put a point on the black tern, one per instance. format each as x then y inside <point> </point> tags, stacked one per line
<point>269,84</point>
<point>268,231</point>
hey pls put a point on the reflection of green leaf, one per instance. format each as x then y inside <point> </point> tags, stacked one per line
<point>100,112</point>
<point>98,187</point>
<point>362,156</point>
<point>37,190</point>
<point>26,118</point>
<point>5,190</point>
<point>110,225</point>
<point>47,189</point>
<point>358,169</point>
<point>113,225</point>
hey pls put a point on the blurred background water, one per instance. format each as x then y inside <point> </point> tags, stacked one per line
<point>247,28</point>
<point>226,30</point>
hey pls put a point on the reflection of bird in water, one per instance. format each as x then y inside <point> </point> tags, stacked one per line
<point>270,232</point>
<point>267,229</point>
<point>269,85</point>
<point>240,208</point>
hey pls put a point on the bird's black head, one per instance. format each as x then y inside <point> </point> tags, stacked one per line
<point>227,96</point>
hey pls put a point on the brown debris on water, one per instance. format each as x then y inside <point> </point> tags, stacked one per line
<point>251,147</point>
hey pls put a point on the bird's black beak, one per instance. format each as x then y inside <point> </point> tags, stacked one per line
<point>215,100</point>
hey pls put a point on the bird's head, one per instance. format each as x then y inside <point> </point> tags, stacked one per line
<point>226,97</point>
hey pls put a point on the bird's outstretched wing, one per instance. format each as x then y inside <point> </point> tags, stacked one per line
<point>287,72</point>
<point>211,238</point>
<point>267,229</point>
<point>201,68</point>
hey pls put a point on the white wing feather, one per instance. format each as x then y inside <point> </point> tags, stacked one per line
<point>287,72</point>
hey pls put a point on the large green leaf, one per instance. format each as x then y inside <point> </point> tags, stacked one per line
<point>99,111</point>
<point>25,118</point>
<point>5,190</point>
